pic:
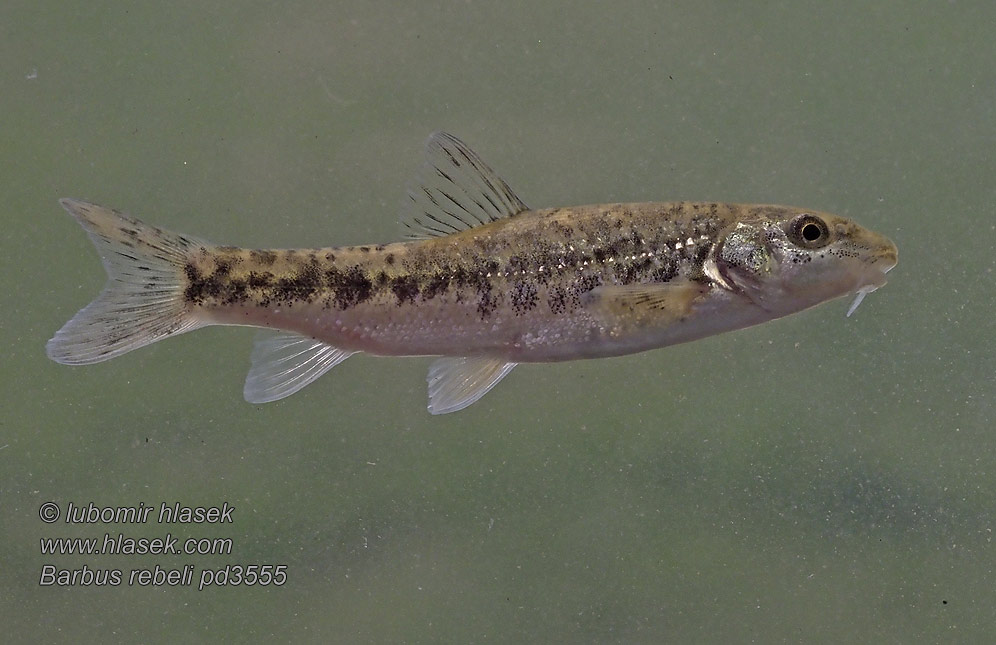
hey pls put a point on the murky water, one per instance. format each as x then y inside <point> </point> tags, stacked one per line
<point>816,478</point>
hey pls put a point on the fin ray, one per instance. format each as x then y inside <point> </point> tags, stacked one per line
<point>456,382</point>
<point>285,362</point>
<point>454,191</point>
<point>637,303</point>
<point>142,301</point>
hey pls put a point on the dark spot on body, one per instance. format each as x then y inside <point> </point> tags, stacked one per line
<point>389,258</point>
<point>260,279</point>
<point>581,286</point>
<point>301,285</point>
<point>436,285</point>
<point>665,272</point>
<point>350,287</point>
<point>236,292</point>
<point>633,271</point>
<point>557,299</point>
<point>461,276</point>
<point>702,253</point>
<point>519,264</point>
<point>523,297</point>
<point>222,266</point>
<point>571,257</point>
<point>405,288</point>
<point>199,287</point>
<point>486,302</point>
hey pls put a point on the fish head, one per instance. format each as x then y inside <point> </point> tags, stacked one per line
<point>787,259</point>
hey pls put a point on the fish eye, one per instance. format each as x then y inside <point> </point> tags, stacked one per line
<point>809,231</point>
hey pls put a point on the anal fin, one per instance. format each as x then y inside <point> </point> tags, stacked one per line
<point>284,362</point>
<point>456,382</point>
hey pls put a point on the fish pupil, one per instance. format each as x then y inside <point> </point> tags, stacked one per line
<point>808,231</point>
<point>811,232</point>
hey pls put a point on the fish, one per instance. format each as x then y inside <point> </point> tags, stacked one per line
<point>482,281</point>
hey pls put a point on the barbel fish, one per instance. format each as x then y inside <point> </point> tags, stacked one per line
<point>484,282</point>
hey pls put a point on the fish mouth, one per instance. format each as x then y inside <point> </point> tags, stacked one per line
<point>874,277</point>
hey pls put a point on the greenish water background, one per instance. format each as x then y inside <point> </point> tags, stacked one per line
<point>813,479</point>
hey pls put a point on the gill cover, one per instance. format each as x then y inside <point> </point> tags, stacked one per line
<point>745,258</point>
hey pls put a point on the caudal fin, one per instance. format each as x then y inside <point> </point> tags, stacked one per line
<point>142,301</point>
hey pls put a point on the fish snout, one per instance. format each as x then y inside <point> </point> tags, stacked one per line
<point>887,257</point>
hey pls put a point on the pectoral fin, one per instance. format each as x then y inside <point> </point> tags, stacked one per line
<point>456,382</point>
<point>640,304</point>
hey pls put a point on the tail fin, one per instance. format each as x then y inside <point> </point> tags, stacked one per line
<point>143,299</point>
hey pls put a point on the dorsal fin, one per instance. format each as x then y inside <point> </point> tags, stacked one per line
<point>454,190</point>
